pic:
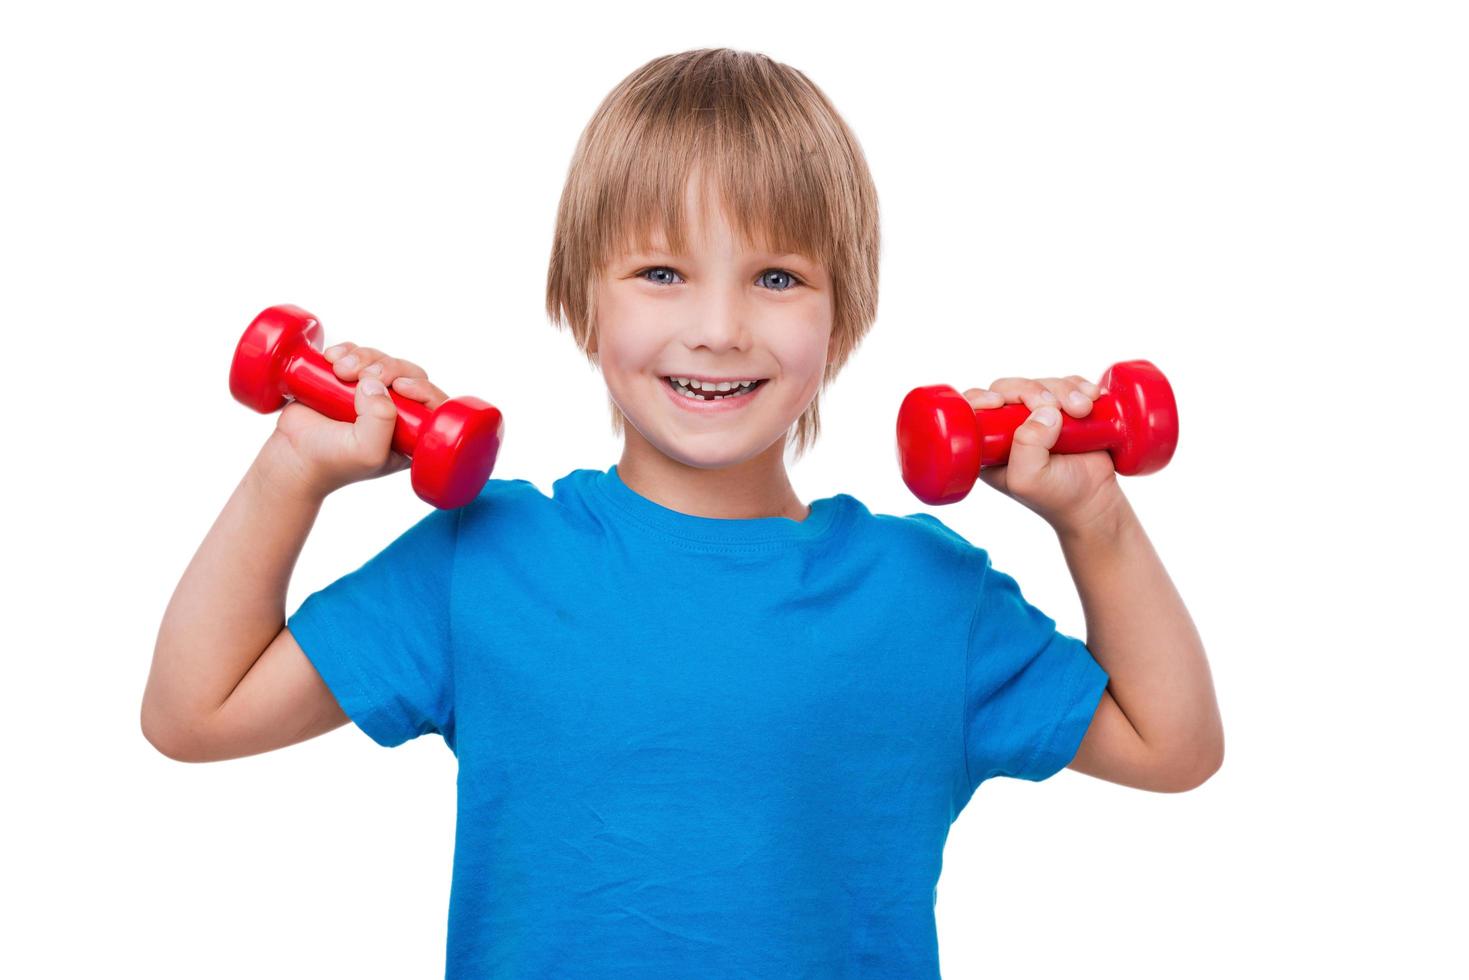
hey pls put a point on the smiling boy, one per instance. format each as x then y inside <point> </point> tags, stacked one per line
<point>703,729</point>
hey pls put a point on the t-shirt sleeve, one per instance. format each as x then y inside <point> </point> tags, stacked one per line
<point>1030,690</point>
<point>379,636</point>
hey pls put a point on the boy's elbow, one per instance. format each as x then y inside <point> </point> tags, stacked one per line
<point>1193,772</point>
<point>164,745</point>
<point>167,740</point>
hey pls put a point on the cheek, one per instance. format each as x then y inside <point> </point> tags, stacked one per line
<point>804,343</point>
<point>627,334</point>
<point>806,359</point>
<point>630,352</point>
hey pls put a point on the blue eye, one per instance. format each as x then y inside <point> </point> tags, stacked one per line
<point>790,279</point>
<point>657,268</point>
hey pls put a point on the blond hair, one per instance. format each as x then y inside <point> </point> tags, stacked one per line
<point>789,172</point>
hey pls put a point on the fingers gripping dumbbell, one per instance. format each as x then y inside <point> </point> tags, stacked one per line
<point>453,447</point>
<point>943,441</point>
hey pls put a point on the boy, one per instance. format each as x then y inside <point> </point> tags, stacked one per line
<point>703,729</point>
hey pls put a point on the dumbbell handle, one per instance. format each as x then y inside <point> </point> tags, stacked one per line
<point>309,377</point>
<point>1099,429</point>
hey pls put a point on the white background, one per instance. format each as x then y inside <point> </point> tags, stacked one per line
<point>1268,200</point>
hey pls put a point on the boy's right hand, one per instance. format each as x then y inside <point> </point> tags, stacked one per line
<point>323,454</point>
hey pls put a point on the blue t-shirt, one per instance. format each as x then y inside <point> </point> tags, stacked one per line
<point>692,746</point>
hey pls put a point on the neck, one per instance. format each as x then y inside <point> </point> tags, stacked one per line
<point>756,487</point>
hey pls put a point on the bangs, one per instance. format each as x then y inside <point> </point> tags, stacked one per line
<point>771,199</point>
<point>757,142</point>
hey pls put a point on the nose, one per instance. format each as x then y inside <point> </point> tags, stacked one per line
<point>721,320</point>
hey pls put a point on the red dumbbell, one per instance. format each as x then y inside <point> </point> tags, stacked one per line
<point>453,447</point>
<point>943,441</point>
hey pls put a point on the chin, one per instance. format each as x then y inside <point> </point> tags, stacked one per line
<point>717,458</point>
<point>713,451</point>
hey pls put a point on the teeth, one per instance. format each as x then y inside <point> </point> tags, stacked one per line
<point>688,386</point>
<point>698,385</point>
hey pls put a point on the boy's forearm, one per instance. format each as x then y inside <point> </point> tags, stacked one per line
<point>230,603</point>
<point>1141,633</point>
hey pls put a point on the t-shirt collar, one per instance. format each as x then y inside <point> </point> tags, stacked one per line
<point>714,530</point>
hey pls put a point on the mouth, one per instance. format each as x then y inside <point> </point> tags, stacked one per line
<point>710,392</point>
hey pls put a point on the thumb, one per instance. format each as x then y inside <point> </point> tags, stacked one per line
<point>1030,449</point>
<point>376,416</point>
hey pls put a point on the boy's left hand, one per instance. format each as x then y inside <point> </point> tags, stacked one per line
<point>1069,490</point>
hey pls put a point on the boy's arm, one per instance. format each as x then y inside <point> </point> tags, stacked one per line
<point>227,678</point>
<point>1158,724</point>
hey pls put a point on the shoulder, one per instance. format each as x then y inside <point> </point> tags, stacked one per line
<point>497,492</point>
<point>917,537</point>
<point>519,508</point>
<point>501,493</point>
<point>500,503</point>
